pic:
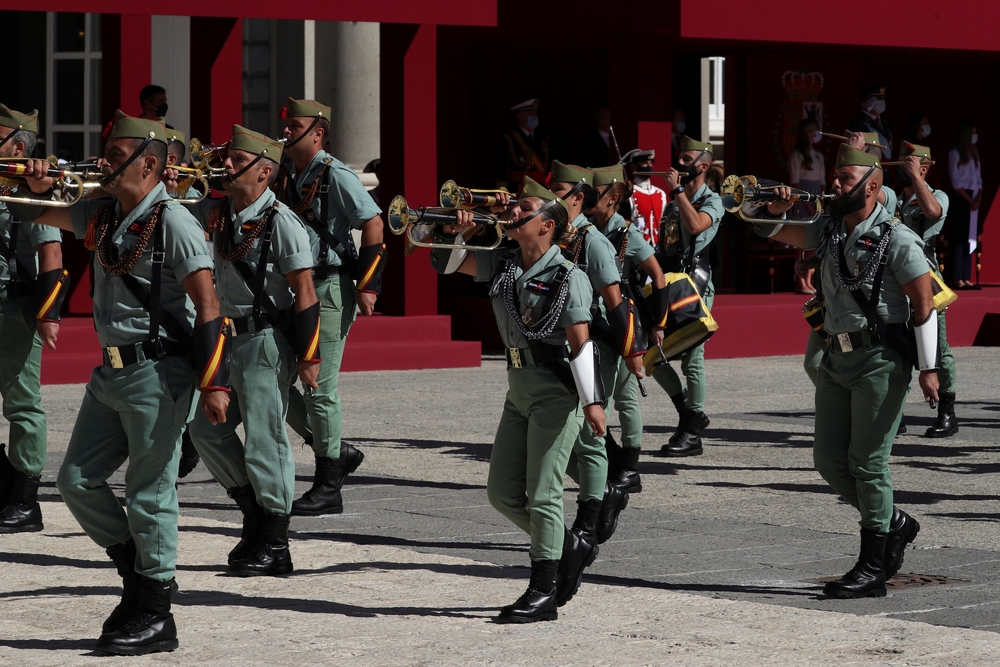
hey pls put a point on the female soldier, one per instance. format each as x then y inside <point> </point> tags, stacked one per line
<point>541,302</point>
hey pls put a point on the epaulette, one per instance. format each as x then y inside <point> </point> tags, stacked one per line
<point>328,160</point>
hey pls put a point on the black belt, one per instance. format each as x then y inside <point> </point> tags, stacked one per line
<point>536,355</point>
<point>126,355</point>
<point>241,325</point>
<point>324,271</point>
<point>855,340</point>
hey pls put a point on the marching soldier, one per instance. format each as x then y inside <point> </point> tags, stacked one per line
<point>266,290</point>
<point>542,306</point>
<point>153,302</point>
<point>33,286</point>
<point>874,273</point>
<point>648,202</point>
<point>328,197</point>
<point>924,211</point>
<point>691,221</point>
<point>598,503</point>
<point>523,151</point>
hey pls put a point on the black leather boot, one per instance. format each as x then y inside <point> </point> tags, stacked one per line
<point>624,473</point>
<point>189,456</point>
<point>270,556</point>
<point>686,440</point>
<point>680,404</point>
<point>324,496</point>
<point>246,499</point>
<point>22,514</point>
<point>123,556</point>
<point>538,603</point>
<point>579,550</point>
<point>151,628</point>
<point>688,444</point>
<point>6,477</point>
<point>903,529</point>
<point>615,500</point>
<point>946,424</point>
<point>867,578</point>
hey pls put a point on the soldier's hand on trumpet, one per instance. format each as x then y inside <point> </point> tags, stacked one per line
<point>463,222</point>
<point>787,200</point>
<point>36,176</point>
<point>170,178</point>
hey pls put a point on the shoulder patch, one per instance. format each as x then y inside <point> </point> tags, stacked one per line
<point>328,160</point>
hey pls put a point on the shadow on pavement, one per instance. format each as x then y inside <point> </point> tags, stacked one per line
<point>470,450</point>
<point>51,644</point>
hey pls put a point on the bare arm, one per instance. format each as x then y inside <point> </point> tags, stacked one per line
<point>372,231</point>
<point>652,269</point>
<point>925,198</point>
<point>302,286</point>
<point>693,220</point>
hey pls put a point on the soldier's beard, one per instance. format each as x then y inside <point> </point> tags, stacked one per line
<point>849,202</point>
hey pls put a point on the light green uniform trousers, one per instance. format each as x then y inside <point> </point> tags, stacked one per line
<point>540,422</point>
<point>859,402</point>
<point>815,347</point>
<point>261,370</point>
<point>693,367</point>
<point>588,464</point>
<point>136,413</point>
<point>946,369</point>
<point>20,386</point>
<point>320,416</point>
<point>626,397</point>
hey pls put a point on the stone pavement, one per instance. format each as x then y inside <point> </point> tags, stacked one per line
<point>714,562</point>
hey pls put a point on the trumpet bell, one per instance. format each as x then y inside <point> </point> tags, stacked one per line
<point>399,215</point>
<point>450,195</point>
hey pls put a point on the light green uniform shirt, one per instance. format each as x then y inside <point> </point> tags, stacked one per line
<point>29,236</point>
<point>119,317</point>
<point>708,202</point>
<point>348,203</point>
<point>924,227</point>
<point>638,249</point>
<point>906,262</point>
<point>891,200</point>
<point>289,251</point>
<point>534,303</point>
<point>599,256</point>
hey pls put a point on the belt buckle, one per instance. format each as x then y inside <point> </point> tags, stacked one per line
<point>515,358</point>
<point>845,342</point>
<point>116,357</point>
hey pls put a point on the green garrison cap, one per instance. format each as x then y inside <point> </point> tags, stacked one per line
<point>129,127</point>
<point>307,108</point>
<point>19,121</point>
<point>609,175</point>
<point>176,135</point>
<point>256,143</point>
<point>922,152</point>
<point>852,157</point>
<point>689,144</point>
<point>534,189</point>
<point>570,173</point>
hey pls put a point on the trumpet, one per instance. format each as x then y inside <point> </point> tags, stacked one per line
<point>899,163</point>
<point>403,220</point>
<point>188,176</point>
<point>452,195</point>
<point>70,185</point>
<point>743,195</point>
<point>207,156</point>
<point>844,139</point>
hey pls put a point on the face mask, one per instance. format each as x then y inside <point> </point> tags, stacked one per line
<point>975,138</point>
<point>903,177</point>
<point>849,202</point>
<point>162,109</point>
<point>681,126</point>
<point>689,172</point>
<point>925,131</point>
<point>817,137</point>
<point>532,122</point>
<point>879,107</point>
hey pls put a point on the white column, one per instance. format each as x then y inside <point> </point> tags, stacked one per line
<point>309,74</point>
<point>171,66</point>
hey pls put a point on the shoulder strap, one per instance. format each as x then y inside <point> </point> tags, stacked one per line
<point>868,305</point>
<point>255,280</point>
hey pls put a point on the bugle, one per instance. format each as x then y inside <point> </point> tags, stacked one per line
<point>188,176</point>
<point>453,195</point>
<point>69,186</point>
<point>403,220</point>
<point>900,163</point>
<point>207,156</point>
<point>844,139</point>
<point>744,195</point>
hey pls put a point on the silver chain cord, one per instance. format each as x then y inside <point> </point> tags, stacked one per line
<point>867,272</point>
<point>547,324</point>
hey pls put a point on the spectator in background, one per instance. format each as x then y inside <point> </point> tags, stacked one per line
<point>523,151</point>
<point>918,128</point>
<point>964,199</point>
<point>598,149</point>
<point>153,100</point>
<point>806,171</point>
<point>870,118</point>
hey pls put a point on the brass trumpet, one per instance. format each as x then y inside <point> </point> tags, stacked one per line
<point>70,185</point>
<point>744,195</point>
<point>207,156</point>
<point>403,220</point>
<point>452,195</point>
<point>188,176</point>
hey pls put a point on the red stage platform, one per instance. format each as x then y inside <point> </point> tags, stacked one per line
<point>378,343</point>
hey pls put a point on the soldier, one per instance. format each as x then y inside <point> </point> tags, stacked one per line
<point>875,271</point>
<point>542,306</point>
<point>648,202</point>
<point>691,221</point>
<point>33,286</point>
<point>153,302</point>
<point>598,502</point>
<point>266,289</point>
<point>328,197</point>
<point>924,211</point>
<point>523,151</point>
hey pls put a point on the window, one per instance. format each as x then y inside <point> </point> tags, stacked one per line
<point>716,102</point>
<point>73,99</point>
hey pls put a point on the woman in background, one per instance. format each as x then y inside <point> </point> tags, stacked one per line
<point>806,171</point>
<point>964,199</point>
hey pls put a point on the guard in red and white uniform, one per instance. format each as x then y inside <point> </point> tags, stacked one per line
<point>648,201</point>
